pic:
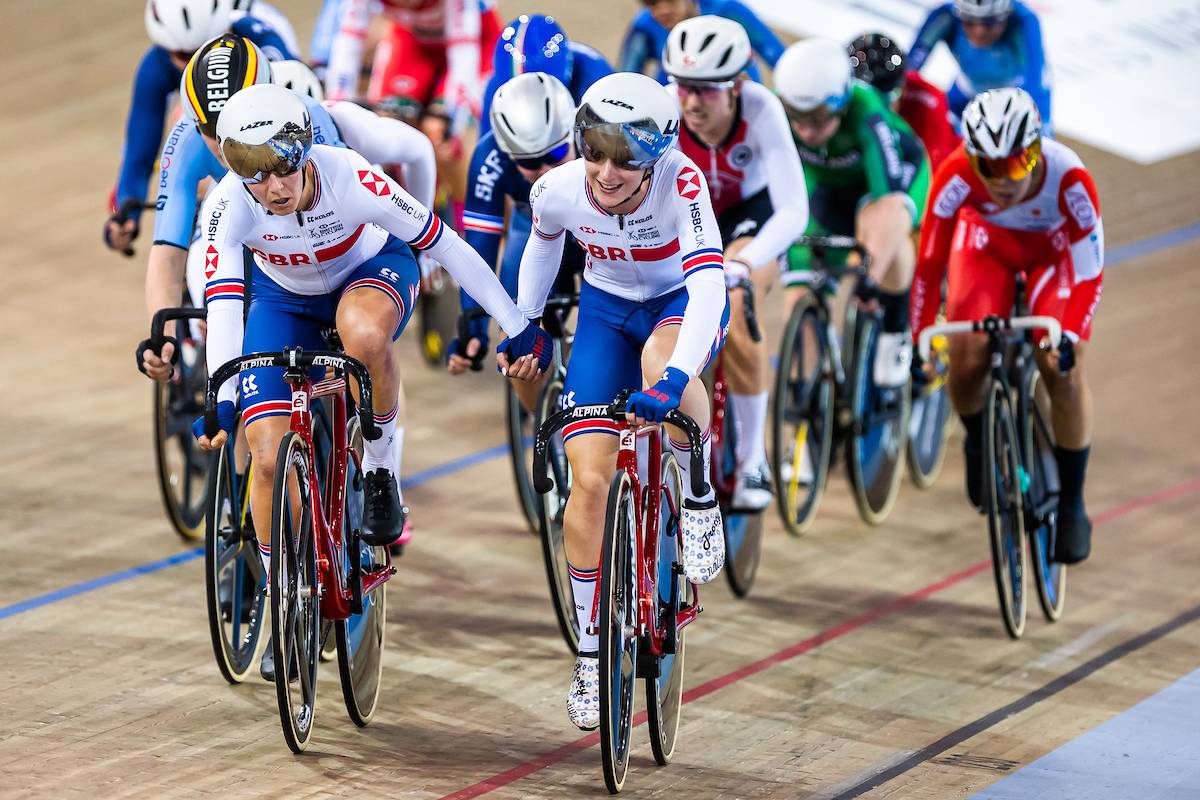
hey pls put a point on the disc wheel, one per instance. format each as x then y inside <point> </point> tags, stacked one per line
<point>234,575</point>
<point>551,508</point>
<point>1037,436</point>
<point>295,613</point>
<point>928,424</point>
<point>802,418</point>
<point>879,433</point>
<point>743,531</point>
<point>183,468</point>
<point>664,690</point>
<point>618,631</point>
<point>1004,477</point>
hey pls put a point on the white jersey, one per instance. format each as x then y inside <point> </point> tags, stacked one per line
<point>312,252</point>
<point>669,240</point>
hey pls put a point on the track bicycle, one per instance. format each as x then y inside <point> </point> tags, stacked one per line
<point>643,602</point>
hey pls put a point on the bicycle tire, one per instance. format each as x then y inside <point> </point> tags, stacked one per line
<point>1037,436</point>
<point>295,609</point>
<point>929,426</point>
<point>743,531</point>
<point>550,522</point>
<point>664,690</point>
<point>183,469</point>
<point>617,619</point>
<point>519,430</point>
<point>809,405</point>
<point>1002,499</point>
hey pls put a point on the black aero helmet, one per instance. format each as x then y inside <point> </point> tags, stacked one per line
<point>221,67</point>
<point>878,60</point>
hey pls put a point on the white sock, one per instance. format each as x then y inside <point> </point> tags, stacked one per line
<point>583,587</point>
<point>264,552</point>
<point>380,454</point>
<point>683,454</point>
<point>399,448</point>
<point>750,411</point>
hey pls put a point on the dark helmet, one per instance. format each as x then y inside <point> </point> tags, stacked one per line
<point>878,60</point>
<point>220,68</point>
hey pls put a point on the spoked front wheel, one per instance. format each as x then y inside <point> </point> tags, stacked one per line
<point>664,688</point>
<point>233,571</point>
<point>1005,477</point>
<point>520,429</point>
<point>743,530</point>
<point>928,427</point>
<point>1037,436</point>
<point>183,468</point>
<point>618,631</point>
<point>295,613</point>
<point>551,508</point>
<point>802,417</point>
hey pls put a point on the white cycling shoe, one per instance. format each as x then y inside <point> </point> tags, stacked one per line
<point>703,540</point>
<point>752,491</point>
<point>583,698</point>
<point>893,358</point>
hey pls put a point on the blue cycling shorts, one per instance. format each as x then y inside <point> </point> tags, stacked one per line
<point>606,356</point>
<point>279,318</point>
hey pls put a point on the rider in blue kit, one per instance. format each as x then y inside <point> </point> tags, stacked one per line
<point>996,43</point>
<point>156,79</point>
<point>647,34</point>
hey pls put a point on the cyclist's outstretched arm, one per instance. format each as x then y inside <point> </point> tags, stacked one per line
<point>143,130</point>
<point>938,27</point>
<point>224,219</point>
<point>947,195</point>
<point>1080,204</point>
<point>543,250</point>
<point>703,275</point>
<point>388,141</point>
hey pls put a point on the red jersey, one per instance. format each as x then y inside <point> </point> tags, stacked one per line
<point>923,106</point>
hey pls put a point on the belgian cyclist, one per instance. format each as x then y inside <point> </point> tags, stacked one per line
<point>652,311</point>
<point>534,118</point>
<point>176,28</point>
<point>867,176</point>
<point>331,239</point>
<point>995,42</point>
<point>877,59</point>
<point>736,131</point>
<point>1012,200</point>
<point>641,51</point>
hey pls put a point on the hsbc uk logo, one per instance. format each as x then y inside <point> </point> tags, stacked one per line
<point>210,262</point>
<point>687,183</point>
<point>373,183</point>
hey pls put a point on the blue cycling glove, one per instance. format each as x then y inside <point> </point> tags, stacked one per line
<point>226,419</point>
<point>1066,355</point>
<point>654,403</point>
<point>531,340</point>
<point>472,324</point>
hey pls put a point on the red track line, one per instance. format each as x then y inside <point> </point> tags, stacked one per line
<point>887,609</point>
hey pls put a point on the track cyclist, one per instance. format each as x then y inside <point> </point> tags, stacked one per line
<point>176,28</point>
<point>642,48</point>
<point>736,131</point>
<point>1011,200</point>
<point>535,117</point>
<point>995,42</point>
<point>867,176</point>
<point>329,235</point>
<point>652,311</point>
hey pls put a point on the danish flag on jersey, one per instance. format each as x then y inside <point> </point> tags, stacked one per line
<point>687,182</point>
<point>375,184</point>
<point>210,262</point>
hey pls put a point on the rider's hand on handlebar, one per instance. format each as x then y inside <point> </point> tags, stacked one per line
<point>468,349</point>
<point>157,366</point>
<point>226,419</point>
<point>866,290</point>
<point>1064,354</point>
<point>121,228</point>
<point>650,406</point>
<point>736,272</point>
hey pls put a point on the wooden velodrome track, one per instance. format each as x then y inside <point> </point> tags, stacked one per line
<point>867,661</point>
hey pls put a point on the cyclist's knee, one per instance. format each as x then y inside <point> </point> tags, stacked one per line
<point>366,334</point>
<point>264,436</point>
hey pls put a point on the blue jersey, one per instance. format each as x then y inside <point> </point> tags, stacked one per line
<point>587,67</point>
<point>1016,59</point>
<point>645,40</point>
<point>155,80</point>
<point>186,160</point>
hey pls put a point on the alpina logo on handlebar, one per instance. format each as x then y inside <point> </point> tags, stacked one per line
<point>589,411</point>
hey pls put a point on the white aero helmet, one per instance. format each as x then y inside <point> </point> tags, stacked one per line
<point>296,76</point>
<point>264,129</point>
<point>532,116</point>
<point>814,74</point>
<point>982,9</point>
<point>706,48</point>
<point>1002,133</point>
<point>626,117</point>
<point>181,26</point>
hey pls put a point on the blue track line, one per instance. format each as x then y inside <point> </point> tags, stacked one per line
<point>1113,257</point>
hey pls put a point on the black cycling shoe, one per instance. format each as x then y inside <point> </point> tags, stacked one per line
<point>225,596</point>
<point>973,461</point>
<point>383,516</point>
<point>266,667</point>
<point>1074,541</point>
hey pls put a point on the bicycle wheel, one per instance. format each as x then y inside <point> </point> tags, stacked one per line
<point>322,436</point>
<point>743,531</point>
<point>437,316</point>
<point>618,618</point>
<point>519,426</point>
<point>1004,478</point>
<point>928,425</point>
<point>1037,437</point>
<point>183,468</point>
<point>879,432</point>
<point>234,576</point>
<point>664,689</point>
<point>802,417</point>
<point>551,507</point>
<point>295,611</point>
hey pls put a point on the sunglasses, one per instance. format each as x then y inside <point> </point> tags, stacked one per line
<point>984,22</point>
<point>705,90</point>
<point>1015,167</point>
<point>550,159</point>
<point>254,163</point>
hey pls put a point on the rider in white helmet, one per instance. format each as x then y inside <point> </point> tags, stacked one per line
<point>736,130</point>
<point>181,26</point>
<point>652,312</point>
<point>297,76</point>
<point>533,115</point>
